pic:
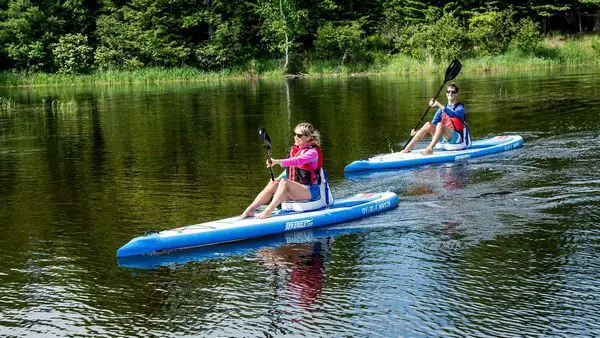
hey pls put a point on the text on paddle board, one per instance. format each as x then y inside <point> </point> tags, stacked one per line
<point>376,207</point>
<point>512,146</point>
<point>307,223</point>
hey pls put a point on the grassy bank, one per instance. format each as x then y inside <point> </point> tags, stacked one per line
<point>557,51</point>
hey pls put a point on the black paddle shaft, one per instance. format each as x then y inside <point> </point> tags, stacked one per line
<point>262,132</point>
<point>451,73</point>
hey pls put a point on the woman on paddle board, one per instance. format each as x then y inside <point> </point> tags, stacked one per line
<point>448,122</point>
<point>300,181</point>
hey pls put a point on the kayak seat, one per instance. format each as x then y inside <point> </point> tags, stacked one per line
<point>325,200</point>
<point>464,142</point>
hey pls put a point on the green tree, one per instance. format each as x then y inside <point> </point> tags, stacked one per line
<point>545,9</point>
<point>405,12</point>
<point>26,34</point>
<point>141,33</point>
<point>593,7</point>
<point>77,16</point>
<point>441,37</point>
<point>490,32</point>
<point>72,54</point>
<point>117,46</point>
<point>219,32</point>
<point>341,41</point>
<point>281,24</point>
<point>527,38</point>
<point>212,34</point>
<point>224,48</point>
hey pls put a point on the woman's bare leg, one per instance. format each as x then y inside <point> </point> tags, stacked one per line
<point>262,198</point>
<point>286,191</point>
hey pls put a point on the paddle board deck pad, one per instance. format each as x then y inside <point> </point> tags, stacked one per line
<point>478,148</point>
<point>236,229</point>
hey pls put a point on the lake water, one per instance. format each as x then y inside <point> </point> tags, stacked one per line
<point>505,245</point>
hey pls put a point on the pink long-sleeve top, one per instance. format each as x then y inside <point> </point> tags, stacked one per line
<point>310,157</point>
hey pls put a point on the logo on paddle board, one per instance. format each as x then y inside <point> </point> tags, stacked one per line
<point>376,207</point>
<point>295,225</point>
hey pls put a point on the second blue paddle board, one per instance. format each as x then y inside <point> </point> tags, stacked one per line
<point>478,148</point>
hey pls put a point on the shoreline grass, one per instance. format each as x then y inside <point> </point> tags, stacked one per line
<point>554,52</point>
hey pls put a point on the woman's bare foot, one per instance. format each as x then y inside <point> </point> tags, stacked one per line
<point>405,151</point>
<point>248,213</point>
<point>427,151</point>
<point>265,214</point>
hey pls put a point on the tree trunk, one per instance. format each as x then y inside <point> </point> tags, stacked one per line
<point>596,22</point>
<point>344,57</point>
<point>287,53</point>
<point>287,43</point>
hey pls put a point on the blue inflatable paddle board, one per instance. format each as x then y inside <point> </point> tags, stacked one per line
<point>478,148</point>
<point>239,248</point>
<point>236,229</point>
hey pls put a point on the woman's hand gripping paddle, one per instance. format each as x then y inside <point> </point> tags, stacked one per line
<point>451,72</point>
<point>262,132</point>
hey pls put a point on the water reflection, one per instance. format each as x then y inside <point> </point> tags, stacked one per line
<point>444,179</point>
<point>304,265</point>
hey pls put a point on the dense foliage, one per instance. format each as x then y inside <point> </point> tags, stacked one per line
<point>79,36</point>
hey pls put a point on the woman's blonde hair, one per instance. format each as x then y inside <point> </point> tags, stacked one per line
<point>307,129</point>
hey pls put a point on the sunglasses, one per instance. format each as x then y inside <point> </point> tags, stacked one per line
<point>298,135</point>
<point>450,92</point>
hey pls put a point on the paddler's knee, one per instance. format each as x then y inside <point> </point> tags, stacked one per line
<point>272,186</point>
<point>284,183</point>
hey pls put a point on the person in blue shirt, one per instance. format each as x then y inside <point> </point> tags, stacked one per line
<point>448,122</point>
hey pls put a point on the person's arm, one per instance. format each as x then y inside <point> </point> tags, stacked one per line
<point>437,117</point>
<point>308,157</point>
<point>438,114</point>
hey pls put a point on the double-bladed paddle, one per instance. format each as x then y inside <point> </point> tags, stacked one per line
<point>451,72</point>
<point>262,132</point>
